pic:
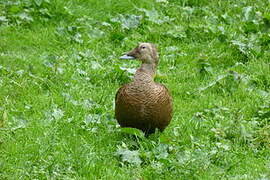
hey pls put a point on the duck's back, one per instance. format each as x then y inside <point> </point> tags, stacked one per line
<point>145,106</point>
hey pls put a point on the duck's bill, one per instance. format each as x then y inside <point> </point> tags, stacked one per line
<point>127,57</point>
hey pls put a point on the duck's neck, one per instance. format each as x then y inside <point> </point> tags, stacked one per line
<point>146,72</point>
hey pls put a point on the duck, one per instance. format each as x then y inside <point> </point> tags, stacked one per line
<point>143,103</point>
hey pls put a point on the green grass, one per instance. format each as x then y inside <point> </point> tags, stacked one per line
<point>59,72</point>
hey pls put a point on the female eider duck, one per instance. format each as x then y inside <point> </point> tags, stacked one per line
<point>143,103</point>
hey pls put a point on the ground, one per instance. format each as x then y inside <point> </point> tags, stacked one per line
<point>59,72</point>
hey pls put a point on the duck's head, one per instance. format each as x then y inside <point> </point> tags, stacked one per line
<point>146,52</point>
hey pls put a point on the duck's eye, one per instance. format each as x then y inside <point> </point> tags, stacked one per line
<point>143,47</point>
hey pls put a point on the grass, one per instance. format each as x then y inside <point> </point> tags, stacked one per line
<point>59,72</point>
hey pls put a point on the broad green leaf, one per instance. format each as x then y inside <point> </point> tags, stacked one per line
<point>132,131</point>
<point>128,21</point>
<point>132,157</point>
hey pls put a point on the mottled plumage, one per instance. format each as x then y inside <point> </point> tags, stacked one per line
<point>144,104</point>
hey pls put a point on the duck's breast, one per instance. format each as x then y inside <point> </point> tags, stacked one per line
<point>141,105</point>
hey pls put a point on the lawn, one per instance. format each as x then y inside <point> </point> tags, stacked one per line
<point>60,71</point>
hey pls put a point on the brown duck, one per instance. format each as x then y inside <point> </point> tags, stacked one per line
<point>143,103</point>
